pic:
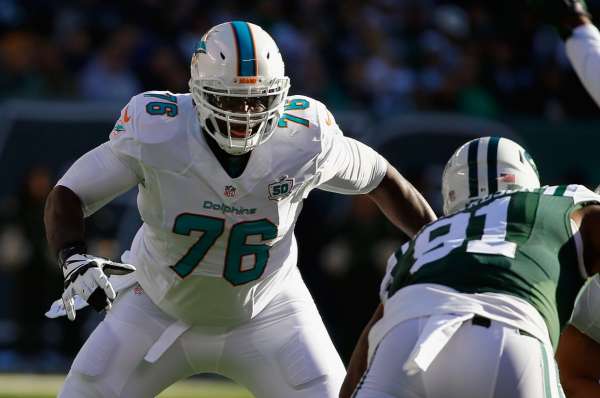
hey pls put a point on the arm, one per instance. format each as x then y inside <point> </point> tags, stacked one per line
<point>564,15</point>
<point>578,358</point>
<point>578,353</point>
<point>402,204</point>
<point>95,179</point>
<point>588,221</point>
<point>352,167</point>
<point>358,361</point>
<point>573,22</point>
<point>63,219</point>
<point>583,50</point>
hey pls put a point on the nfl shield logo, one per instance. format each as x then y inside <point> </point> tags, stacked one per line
<point>229,191</point>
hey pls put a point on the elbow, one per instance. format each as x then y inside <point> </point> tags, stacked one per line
<point>51,216</point>
<point>50,207</point>
<point>402,203</point>
<point>60,199</point>
<point>62,212</point>
<point>390,185</point>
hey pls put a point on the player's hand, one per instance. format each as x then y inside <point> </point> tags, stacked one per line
<point>86,276</point>
<point>565,15</point>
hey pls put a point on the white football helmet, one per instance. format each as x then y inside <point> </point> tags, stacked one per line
<point>239,85</point>
<point>484,166</point>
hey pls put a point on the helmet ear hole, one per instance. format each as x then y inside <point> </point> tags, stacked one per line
<point>222,56</point>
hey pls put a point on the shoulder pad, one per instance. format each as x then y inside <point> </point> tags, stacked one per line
<point>306,122</point>
<point>301,113</point>
<point>151,118</point>
<point>155,116</point>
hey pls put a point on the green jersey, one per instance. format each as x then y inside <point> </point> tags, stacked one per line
<point>515,242</point>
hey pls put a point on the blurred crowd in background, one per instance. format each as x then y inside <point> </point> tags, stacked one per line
<point>476,57</point>
<point>383,57</point>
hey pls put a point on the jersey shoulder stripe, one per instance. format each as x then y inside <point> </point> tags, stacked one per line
<point>579,193</point>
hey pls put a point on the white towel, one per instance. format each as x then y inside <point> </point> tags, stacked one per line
<point>166,339</point>
<point>436,333</point>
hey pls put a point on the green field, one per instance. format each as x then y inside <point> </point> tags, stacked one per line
<point>43,386</point>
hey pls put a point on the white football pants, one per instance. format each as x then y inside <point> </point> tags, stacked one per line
<point>284,351</point>
<point>496,361</point>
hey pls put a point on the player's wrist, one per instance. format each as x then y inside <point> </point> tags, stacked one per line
<point>564,15</point>
<point>573,22</point>
<point>69,250</point>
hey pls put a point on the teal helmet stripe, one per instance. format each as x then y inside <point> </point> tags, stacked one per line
<point>492,163</point>
<point>472,162</point>
<point>200,47</point>
<point>245,49</point>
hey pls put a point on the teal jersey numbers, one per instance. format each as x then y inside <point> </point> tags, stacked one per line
<point>237,249</point>
<point>211,229</point>
<point>168,108</point>
<point>518,243</point>
<point>290,106</point>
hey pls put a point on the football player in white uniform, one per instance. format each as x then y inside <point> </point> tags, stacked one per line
<point>222,173</point>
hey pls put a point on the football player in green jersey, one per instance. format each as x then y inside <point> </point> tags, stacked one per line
<point>473,306</point>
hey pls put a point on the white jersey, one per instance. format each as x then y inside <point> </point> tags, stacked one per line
<point>213,249</point>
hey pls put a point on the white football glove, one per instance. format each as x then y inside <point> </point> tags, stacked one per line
<point>86,277</point>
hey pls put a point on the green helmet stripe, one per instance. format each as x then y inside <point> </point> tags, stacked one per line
<point>560,190</point>
<point>521,209</point>
<point>472,162</point>
<point>492,162</point>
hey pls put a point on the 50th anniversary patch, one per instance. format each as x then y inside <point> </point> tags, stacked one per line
<point>281,188</point>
